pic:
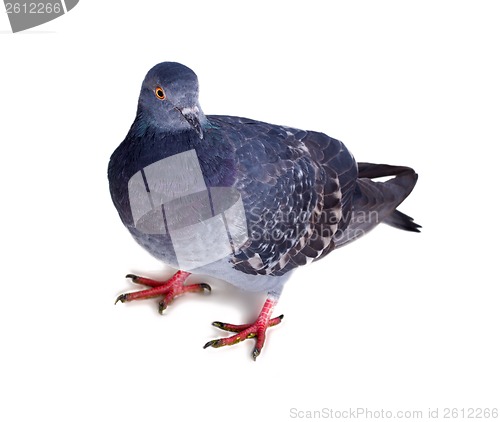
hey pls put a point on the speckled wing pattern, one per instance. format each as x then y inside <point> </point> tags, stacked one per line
<point>296,197</point>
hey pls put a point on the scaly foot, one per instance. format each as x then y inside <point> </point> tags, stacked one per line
<point>169,289</point>
<point>245,331</point>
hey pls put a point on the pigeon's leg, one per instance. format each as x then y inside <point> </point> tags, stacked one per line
<point>169,289</point>
<point>256,329</point>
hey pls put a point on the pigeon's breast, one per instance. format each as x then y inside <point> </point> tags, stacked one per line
<point>199,224</point>
<point>179,203</point>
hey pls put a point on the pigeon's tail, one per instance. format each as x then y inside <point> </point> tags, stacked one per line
<point>376,202</point>
<point>402,221</point>
<point>400,187</point>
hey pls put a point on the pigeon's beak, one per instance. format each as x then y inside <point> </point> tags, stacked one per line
<point>191,115</point>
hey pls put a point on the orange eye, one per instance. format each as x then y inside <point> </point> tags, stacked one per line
<point>160,94</point>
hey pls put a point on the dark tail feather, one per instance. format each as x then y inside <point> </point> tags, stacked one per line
<point>402,221</point>
<point>405,179</point>
<point>373,171</point>
<point>379,198</point>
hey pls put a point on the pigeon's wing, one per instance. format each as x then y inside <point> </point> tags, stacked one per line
<point>295,186</point>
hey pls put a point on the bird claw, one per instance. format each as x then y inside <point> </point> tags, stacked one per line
<point>169,289</point>
<point>132,277</point>
<point>243,332</point>
<point>206,288</point>
<point>256,353</point>
<point>276,321</point>
<point>161,307</point>
<point>212,343</point>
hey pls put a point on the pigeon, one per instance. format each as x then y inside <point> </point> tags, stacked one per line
<point>239,200</point>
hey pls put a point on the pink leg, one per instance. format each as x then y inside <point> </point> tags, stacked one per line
<point>256,329</point>
<point>169,289</point>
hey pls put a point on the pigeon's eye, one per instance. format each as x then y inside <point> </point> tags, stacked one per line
<point>160,94</point>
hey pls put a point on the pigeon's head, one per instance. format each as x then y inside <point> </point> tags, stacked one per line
<point>169,99</point>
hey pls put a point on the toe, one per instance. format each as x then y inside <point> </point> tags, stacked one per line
<point>275,321</point>
<point>212,343</point>
<point>231,327</point>
<point>256,353</point>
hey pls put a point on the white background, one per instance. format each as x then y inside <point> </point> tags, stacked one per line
<point>396,321</point>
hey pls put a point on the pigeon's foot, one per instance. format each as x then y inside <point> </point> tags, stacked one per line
<point>169,289</point>
<point>244,331</point>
